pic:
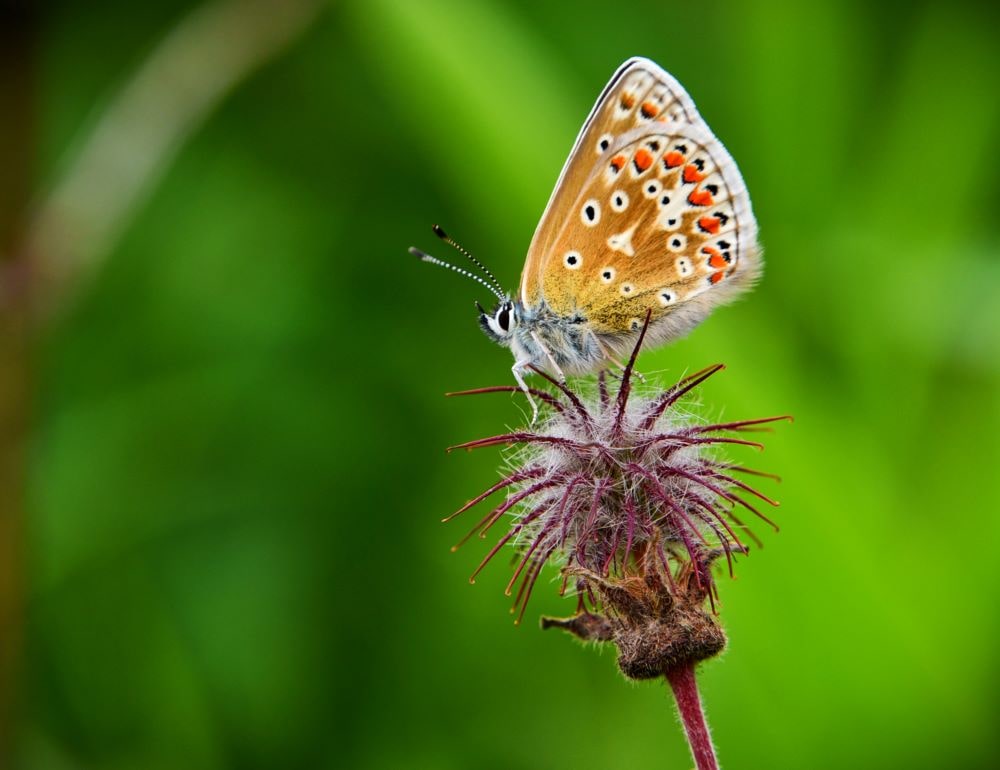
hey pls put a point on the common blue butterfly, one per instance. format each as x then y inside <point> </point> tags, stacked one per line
<point>650,216</point>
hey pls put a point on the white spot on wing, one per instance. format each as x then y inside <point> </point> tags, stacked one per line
<point>667,297</point>
<point>623,242</point>
<point>670,211</point>
<point>590,212</point>
<point>619,200</point>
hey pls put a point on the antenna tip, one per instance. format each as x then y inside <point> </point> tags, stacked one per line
<point>417,252</point>
<point>440,233</point>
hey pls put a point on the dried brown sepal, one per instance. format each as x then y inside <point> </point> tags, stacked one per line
<point>588,626</point>
<point>657,625</point>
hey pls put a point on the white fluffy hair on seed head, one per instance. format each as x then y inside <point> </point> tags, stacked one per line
<point>606,478</point>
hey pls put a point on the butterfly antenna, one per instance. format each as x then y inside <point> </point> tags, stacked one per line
<point>454,244</point>
<point>461,271</point>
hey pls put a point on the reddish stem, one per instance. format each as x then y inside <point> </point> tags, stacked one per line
<point>689,706</point>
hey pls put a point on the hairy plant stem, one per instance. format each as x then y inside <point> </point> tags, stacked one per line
<point>685,689</point>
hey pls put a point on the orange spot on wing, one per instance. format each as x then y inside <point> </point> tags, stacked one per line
<point>618,162</point>
<point>715,259</point>
<point>673,159</point>
<point>709,224</point>
<point>650,110</point>
<point>628,101</point>
<point>700,198</point>
<point>716,277</point>
<point>691,174</point>
<point>643,159</point>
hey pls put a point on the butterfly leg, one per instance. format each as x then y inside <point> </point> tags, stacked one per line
<point>615,363</point>
<point>620,374</point>
<point>555,367</point>
<point>516,369</point>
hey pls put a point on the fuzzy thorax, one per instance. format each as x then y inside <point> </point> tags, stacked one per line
<point>542,338</point>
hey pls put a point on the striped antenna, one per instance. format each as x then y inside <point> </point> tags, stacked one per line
<point>440,233</point>
<point>461,271</point>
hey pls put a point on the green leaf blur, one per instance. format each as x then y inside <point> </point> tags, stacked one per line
<point>233,550</point>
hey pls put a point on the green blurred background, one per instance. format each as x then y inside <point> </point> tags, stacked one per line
<point>221,514</point>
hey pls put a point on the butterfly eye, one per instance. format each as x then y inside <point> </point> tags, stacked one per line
<point>503,319</point>
<point>573,260</point>
<point>591,213</point>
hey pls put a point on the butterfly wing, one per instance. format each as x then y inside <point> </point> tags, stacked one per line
<point>638,92</point>
<point>650,214</point>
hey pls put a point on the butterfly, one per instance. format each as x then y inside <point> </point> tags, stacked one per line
<point>650,217</point>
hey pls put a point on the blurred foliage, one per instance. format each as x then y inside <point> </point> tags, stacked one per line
<point>233,550</point>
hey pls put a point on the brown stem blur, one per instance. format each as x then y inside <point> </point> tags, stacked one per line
<point>17,67</point>
<point>48,251</point>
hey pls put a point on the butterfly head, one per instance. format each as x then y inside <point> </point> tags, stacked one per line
<point>499,325</point>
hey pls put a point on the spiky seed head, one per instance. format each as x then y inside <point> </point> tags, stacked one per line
<point>626,492</point>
